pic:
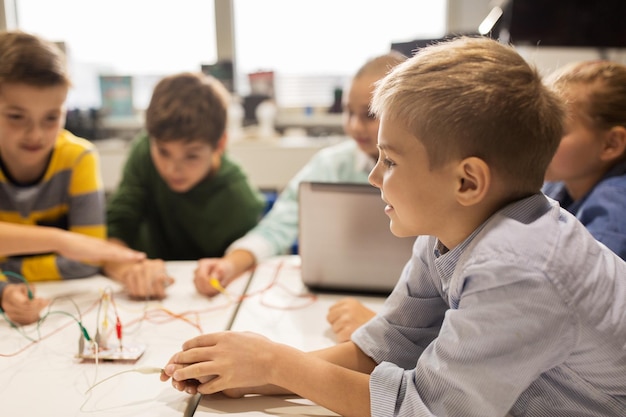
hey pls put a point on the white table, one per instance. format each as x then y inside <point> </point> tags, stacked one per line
<point>280,307</point>
<point>46,378</point>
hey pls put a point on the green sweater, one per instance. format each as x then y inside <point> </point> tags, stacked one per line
<point>200,223</point>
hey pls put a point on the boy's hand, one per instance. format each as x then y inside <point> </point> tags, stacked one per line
<point>221,269</point>
<point>346,315</point>
<point>225,361</point>
<point>224,270</point>
<point>190,386</point>
<point>18,307</point>
<point>146,279</point>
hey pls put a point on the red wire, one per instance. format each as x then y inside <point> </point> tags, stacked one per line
<point>154,315</point>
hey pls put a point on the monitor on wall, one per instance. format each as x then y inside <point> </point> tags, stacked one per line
<point>563,23</point>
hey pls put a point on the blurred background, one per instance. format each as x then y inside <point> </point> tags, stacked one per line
<point>296,54</point>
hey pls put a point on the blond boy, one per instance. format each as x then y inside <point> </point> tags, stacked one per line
<point>508,304</point>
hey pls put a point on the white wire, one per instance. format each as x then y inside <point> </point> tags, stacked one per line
<point>142,370</point>
<point>96,355</point>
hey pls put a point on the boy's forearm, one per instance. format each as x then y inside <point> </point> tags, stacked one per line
<point>327,383</point>
<point>347,355</point>
<point>17,239</point>
<point>116,270</point>
<point>242,260</point>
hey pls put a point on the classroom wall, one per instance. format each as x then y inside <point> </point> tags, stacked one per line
<point>464,16</point>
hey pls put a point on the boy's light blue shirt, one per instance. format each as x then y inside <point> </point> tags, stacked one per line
<point>526,316</point>
<point>278,230</point>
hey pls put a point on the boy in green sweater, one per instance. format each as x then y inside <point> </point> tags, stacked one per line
<point>181,197</point>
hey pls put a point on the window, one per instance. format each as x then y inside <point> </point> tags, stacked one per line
<point>143,38</point>
<point>312,46</point>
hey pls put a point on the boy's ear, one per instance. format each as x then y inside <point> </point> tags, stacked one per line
<point>474,180</point>
<point>614,144</point>
<point>222,143</point>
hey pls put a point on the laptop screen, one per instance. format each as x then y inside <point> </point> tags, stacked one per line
<point>345,241</point>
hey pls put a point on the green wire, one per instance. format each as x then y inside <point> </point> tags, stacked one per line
<point>82,328</point>
<point>19,329</point>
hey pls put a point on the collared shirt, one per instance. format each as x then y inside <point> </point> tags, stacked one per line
<point>526,316</point>
<point>278,230</point>
<point>601,210</point>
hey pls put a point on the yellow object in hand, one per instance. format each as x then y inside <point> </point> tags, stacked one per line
<point>215,283</point>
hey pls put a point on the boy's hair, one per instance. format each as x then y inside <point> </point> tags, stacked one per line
<point>188,106</point>
<point>476,97</point>
<point>380,65</point>
<point>28,59</point>
<point>602,103</point>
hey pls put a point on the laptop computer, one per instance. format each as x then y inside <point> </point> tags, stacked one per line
<point>344,239</point>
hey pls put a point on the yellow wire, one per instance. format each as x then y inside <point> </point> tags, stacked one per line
<point>215,283</point>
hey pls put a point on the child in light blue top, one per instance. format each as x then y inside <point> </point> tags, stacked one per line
<point>349,161</point>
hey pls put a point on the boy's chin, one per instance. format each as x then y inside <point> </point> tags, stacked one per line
<point>400,231</point>
<point>180,188</point>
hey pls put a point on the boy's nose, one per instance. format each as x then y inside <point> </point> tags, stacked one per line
<point>373,176</point>
<point>34,133</point>
<point>174,166</point>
